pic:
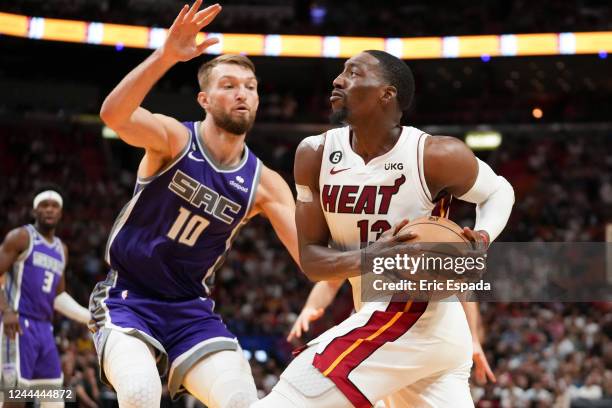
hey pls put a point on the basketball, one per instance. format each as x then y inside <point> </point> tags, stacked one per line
<point>435,229</point>
<point>443,245</point>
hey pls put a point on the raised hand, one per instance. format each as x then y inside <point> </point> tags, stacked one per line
<point>181,45</point>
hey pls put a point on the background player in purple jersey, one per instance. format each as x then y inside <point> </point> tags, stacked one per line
<point>198,183</point>
<point>34,260</point>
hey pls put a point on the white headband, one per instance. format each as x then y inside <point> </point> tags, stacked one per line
<point>48,195</point>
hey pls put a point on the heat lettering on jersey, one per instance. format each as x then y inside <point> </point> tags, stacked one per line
<point>349,199</point>
<point>190,190</point>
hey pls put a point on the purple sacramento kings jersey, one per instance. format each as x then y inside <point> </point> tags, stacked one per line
<point>32,282</point>
<point>175,231</point>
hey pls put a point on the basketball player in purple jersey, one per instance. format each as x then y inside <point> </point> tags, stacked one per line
<point>198,184</point>
<point>34,260</point>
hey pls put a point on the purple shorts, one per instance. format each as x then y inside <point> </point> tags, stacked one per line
<point>181,331</point>
<point>32,358</point>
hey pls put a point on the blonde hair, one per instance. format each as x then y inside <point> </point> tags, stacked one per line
<point>236,59</point>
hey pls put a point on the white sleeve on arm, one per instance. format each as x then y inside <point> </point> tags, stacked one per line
<point>494,197</point>
<point>66,305</point>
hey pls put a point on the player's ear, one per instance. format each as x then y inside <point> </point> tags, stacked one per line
<point>203,99</point>
<point>389,94</point>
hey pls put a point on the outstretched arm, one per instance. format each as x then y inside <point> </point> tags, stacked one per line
<point>65,304</point>
<point>161,136</point>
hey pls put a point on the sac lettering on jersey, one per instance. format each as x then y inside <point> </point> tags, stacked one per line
<point>355,199</point>
<point>190,190</point>
<point>47,262</point>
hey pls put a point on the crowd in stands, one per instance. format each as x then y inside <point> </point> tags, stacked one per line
<point>542,353</point>
<point>391,18</point>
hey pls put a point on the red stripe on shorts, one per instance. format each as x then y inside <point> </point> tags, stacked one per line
<point>356,348</point>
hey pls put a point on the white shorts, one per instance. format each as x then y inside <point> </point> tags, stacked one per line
<point>407,354</point>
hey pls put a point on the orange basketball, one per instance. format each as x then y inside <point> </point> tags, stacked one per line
<point>435,229</point>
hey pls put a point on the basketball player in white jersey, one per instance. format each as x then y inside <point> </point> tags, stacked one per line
<point>359,184</point>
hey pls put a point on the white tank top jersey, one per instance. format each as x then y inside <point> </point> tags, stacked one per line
<point>361,201</point>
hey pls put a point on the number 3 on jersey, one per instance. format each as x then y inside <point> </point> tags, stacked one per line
<point>192,231</point>
<point>47,282</point>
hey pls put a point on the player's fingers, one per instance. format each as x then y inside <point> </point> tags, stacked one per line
<point>205,16</point>
<point>181,14</point>
<point>305,325</point>
<point>405,236</point>
<point>317,314</point>
<point>207,43</point>
<point>291,335</point>
<point>194,8</point>
<point>470,234</point>
<point>479,375</point>
<point>489,373</point>
<point>298,329</point>
<point>400,225</point>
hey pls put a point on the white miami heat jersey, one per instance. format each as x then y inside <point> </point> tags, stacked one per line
<point>362,200</point>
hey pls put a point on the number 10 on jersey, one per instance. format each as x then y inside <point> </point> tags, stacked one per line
<point>187,227</point>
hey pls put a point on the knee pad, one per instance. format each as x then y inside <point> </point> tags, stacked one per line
<point>223,380</point>
<point>130,367</point>
<point>138,390</point>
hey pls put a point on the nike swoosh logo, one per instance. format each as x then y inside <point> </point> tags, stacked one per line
<point>332,171</point>
<point>192,157</point>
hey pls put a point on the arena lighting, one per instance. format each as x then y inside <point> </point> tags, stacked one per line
<point>261,356</point>
<point>247,354</point>
<point>537,113</point>
<point>483,139</point>
<point>109,133</point>
<point>474,46</point>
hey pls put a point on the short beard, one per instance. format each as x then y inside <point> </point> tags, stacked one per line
<point>339,117</point>
<point>236,127</point>
<point>47,227</point>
